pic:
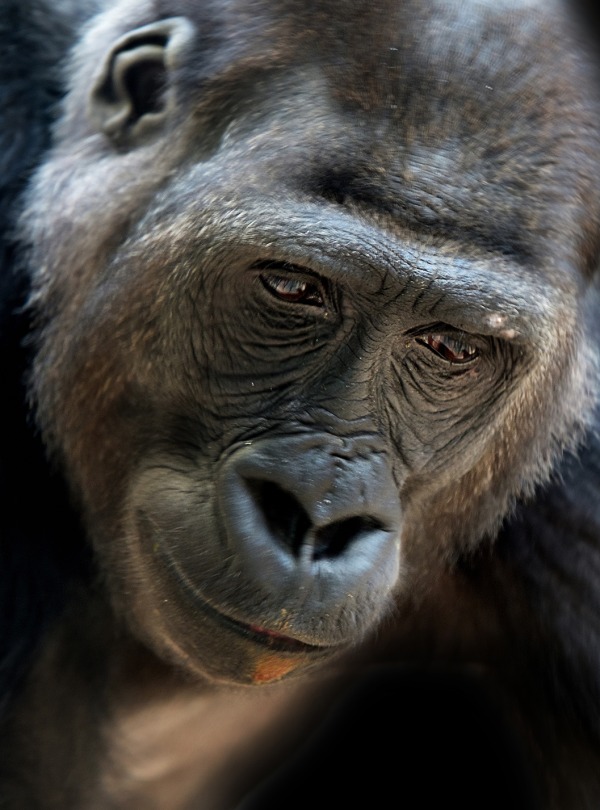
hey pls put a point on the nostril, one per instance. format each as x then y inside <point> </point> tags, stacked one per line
<point>285,517</point>
<point>331,540</point>
<point>288,522</point>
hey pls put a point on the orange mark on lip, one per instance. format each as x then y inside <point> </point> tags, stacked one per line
<point>272,667</point>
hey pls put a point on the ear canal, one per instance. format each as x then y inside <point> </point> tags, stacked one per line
<point>131,98</point>
<point>139,78</point>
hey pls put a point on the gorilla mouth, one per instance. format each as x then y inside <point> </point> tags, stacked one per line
<point>271,639</point>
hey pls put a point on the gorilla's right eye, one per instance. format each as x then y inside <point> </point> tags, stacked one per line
<point>295,287</point>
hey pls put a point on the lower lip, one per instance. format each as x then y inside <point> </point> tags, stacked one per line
<point>271,639</point>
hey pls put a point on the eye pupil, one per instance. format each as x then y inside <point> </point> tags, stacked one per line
<point>449,348</point>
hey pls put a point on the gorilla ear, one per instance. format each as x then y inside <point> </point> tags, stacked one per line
<point>132,96</point>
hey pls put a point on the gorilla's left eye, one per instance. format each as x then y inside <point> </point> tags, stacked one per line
<point>449,348</point>
<point>294,289</point>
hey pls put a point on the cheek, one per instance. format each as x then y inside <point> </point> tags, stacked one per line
<point>243,358</point>
<point>443,424</point>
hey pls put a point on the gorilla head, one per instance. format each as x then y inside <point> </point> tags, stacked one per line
<point>315,293</point>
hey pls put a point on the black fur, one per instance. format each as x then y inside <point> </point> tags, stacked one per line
<point>41,544</point>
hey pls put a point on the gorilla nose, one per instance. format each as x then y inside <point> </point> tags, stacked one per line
<point>305,502</point>
<point>291,524</point>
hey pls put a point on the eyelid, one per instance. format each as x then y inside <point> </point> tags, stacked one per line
<point>446,330</point>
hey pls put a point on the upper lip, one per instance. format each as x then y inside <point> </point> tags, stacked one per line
<point>273,639</point>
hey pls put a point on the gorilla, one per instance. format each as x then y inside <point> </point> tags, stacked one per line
<point>300,447</point>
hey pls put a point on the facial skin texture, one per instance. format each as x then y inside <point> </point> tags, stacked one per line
<point>314,295</point>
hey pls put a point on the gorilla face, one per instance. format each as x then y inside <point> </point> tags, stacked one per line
<point>312,304</point>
